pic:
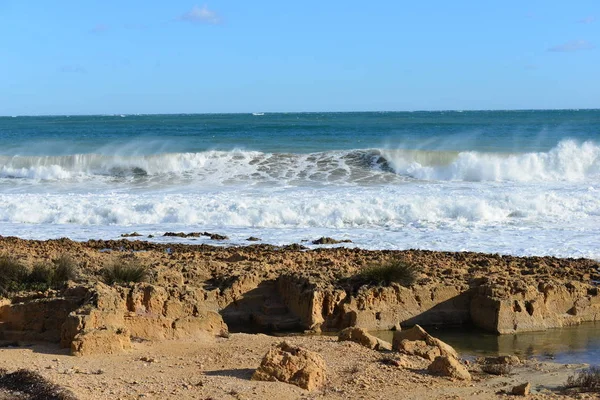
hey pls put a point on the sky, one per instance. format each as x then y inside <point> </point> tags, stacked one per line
<point>125,57</point>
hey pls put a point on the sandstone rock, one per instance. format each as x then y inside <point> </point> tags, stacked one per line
<point>522,390</point>
<point>363,338</point>
<point>450,367</point>
<point>418,333</point>
<point>294,365</point>
<point>101,341</point>
<point>419,348</point>
<point>146,311</point>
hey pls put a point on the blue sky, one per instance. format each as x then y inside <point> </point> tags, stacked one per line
<point>94,57</point>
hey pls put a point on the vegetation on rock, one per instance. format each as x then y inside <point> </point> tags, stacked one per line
<point>16,276</point>
<point>394,271</point>
<point>123,273</point>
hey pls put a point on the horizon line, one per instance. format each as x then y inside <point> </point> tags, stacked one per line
<point>297,112</point>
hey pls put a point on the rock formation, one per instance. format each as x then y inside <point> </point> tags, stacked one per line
<point>293,365</point>
<point>362,337</point>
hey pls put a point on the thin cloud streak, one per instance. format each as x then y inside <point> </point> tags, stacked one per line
<point>100,28</point>
<point>586,20</point>
<point>72,69</point>
<point>574,45</point>
<point>201,15</point>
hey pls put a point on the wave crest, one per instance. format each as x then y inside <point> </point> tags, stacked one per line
<point>568,161</point>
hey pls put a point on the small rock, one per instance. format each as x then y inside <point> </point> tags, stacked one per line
<point>522,390</point>
<point>328,240</point>
<point>449,366</point>
<point>253,239</point>
<point>133,234</point>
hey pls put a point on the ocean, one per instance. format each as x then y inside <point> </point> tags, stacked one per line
<point>509,182</point>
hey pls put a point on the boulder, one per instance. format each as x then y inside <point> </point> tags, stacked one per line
<point>106,340</point>
<point>363,338</point>
<point>522,390</point>
<point>419,348</point>
<point>418,333</point>
<point>294,365</point>
<point>450,367</point>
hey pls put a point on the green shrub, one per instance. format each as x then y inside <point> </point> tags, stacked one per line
<point>395,271</point>
<point>40,277</point>
<point>65,269</point>
<point>587,380</point>
<point>13,275</point>
<point>16,277</point>
<point>122,273</point>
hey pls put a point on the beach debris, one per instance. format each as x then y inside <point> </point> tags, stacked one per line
<point>328,240</point>
<point>522,390</point>
<point>364,338</point>
<point>450,367</point>
<point>294,365</point>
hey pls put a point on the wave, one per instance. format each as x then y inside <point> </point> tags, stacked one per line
<point>568,161</point>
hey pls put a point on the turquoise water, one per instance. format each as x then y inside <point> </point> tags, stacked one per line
<point>512,182</point>
<point>501,131</point>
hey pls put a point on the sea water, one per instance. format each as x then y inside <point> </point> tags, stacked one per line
<point>510,182</point>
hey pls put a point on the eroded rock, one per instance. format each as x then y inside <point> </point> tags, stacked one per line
<point>363,338</point>
<point>417,333</point>
<point>294,365</point>
<point>450,367</point>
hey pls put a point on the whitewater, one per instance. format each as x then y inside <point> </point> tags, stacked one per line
<point>521,183</point>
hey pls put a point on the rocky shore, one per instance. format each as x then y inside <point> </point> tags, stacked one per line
<point>198,299</point>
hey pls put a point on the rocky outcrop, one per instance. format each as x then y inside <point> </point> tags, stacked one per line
<point>364,338</point>
<point>97,318</point>
<point>450,367</point>
<point>324,307</point>
<point>38,317</point>
<point>520,307</point>
<point>294,365</point>
<point>269,288</point>
<point>143,311</point>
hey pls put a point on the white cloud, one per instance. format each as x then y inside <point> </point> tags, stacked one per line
<point>587,20</point>
<point>201,15</point>
<point>574,45</point>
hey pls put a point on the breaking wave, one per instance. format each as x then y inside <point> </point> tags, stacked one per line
<point>568,161</point>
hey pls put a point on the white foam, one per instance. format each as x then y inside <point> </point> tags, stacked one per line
<point>569,161</point>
